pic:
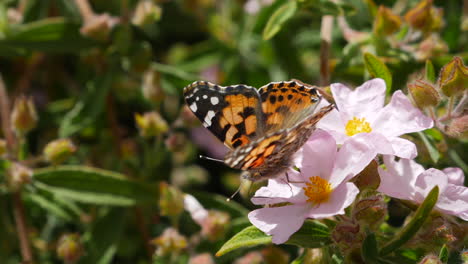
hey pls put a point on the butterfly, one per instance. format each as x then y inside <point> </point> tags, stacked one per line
<point>264,128</point>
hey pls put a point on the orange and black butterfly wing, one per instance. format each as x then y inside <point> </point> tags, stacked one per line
<point>233,113</point>
<point>285,104</point>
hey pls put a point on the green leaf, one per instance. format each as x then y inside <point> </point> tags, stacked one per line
<point>458,160</point>
<point>300,259</point>
<point>312,234</point>
<point>87,110</point>
<point>378,69</point>
<point>410,229</point>
<point>50,206</point>
<point>91,185</point>
<point>248,237</point>
<point>55,35</point>
<point>430,72</point>
<point>433,152</point>
<point>218,202</point>
<point>278,19</point>
<point>369,249</point>
<point>444,254</point>
<point>174,71</point>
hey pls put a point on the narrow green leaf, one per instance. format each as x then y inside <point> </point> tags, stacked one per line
<point>430,72</point>
<point>248,237</point>
<point>444,254</point>
<point>279,18</point>
<point>87,109</point>
<point>410,229</point>
<point>433,152</point>
<point>312,234</point>
<point>458,160</point>
<point>369,249</point>
<point>378,69</point>
<point>174,71</point>
<point>50,206</point>
<point>91,185</point>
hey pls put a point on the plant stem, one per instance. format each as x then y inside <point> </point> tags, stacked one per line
<point>18,208</point>
<point>326,36</point>
<point>85,9</point>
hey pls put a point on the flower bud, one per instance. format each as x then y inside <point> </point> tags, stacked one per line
<point>425,17</point>
<point>59,150</point>
<point>370,210</point>
<point>24,117</point>
<point>430,259</point>
<point>253,257</point>
<point>151,124</point>
<point>69,248</point>
<point>458,128</point>
<point>435,232</point>
<point>3,148</point>
<point>98,27</point>
<point>369,177</point>
<point>169,242</point>
<point>424,94</point>
<point>215,225</point>
<point>347,235</point>
<point>171,200</point>
<point>146,13</point>
<point>204,258</point>
<point>386,23</point>
<point>18,175</point>
<point>453,77</point>
<point>151,87</point>
<point>273,255</point>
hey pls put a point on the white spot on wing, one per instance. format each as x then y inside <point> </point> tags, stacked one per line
<point>205,96</point>
<point>198,98</point>
<point>214,100</point>
<point>193,107</point>
<point>209,116</point>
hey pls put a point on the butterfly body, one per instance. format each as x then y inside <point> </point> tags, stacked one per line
<point>263,127</point>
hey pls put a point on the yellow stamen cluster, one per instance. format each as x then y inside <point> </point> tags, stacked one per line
<point>318,190</point>
<point>356,126</point>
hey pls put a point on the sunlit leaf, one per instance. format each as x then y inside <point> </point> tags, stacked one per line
<point>279,18</point>
<point>378,69</point>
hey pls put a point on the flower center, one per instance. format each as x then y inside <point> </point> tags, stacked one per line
<point>356,126</point>
<point>318,190</point>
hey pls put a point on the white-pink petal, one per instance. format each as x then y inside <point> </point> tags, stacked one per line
<point>279,190</point>
<point>455,175</point>
<point>367,98</point>
<point>400,117</point>
<point>279,222</point>
<point>403,148</point>
<point>319,155</point>
<point>341,197</point>
<point>196,210</point>
<point>454,201</point>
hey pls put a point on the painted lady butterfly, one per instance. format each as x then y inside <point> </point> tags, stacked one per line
<point>263,127</point>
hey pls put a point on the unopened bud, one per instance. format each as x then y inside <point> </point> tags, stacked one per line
<point>458,128</point>
<point>436,232</point>
<point>204,258</point>
<point>98,27</point>
<point>386,22</point>
<point>369,177</point>
<point>215,225</point>
<point>430,259</point>
<point>453,77</point>
<point>18,175</point>
<point>24,117</point>
<point>146,13</point>
<point>151,87</point>
<point>370,210</point>
<point>253,257</point>
<point>347,235</point>
<point>3,147</point>
<point>425,17</point>
<point>69,248</point>
<point>275,255</point>
<point>170,242</point>
<point>59,150</point>
<point>151,124</point>
<point>424,94</point>
<point>171,200</point>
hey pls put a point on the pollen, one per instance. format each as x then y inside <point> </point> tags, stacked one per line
<point>318,190</point>
<point>356,126</point>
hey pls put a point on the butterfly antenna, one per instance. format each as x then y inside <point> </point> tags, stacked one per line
<point>234,194</point>
<point>208,158</point>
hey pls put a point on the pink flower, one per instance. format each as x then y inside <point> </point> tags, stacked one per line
<point>320,190</point>
<point>362,114</point>
<point>405,179</point>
